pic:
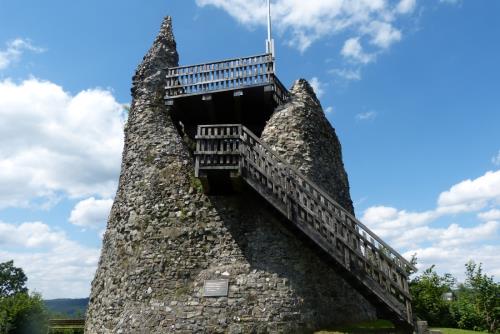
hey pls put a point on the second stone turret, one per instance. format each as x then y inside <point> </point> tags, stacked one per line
<point>301,134</point>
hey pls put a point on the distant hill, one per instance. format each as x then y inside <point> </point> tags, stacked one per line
<point>67,308</point>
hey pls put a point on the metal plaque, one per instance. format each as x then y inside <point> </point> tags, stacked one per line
<point>215,288</point>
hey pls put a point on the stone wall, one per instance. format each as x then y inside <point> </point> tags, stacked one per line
<point>165,237</point>
<point>300,133</point>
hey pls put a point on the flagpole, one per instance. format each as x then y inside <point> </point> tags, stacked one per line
<point>269,20</point>
<point>270,41</point>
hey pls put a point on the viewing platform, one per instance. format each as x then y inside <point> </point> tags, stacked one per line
<point>242,90</point>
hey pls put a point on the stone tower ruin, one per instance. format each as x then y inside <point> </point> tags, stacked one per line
<point>233,212</point>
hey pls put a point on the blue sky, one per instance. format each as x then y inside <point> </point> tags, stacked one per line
<point>412,88</point>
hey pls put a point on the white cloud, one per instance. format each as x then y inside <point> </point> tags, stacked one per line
<point>56,266</point>
<point>406,6</point>
<point>352,50</point>
<point>452,236</point>
<point>29,235</point>
<point>56,144</point>
<point>318,86</point>
<point>493,214</point>
<point>329,110</point>
<point>92,213</point>
<point>366,116</point>
<point>448,246</point>
<point>14,51</point>
<point>346,74</point>
<point>453,258</point>
<point>309,21</point>
<point>496,159</point>
<point>472,195</point>
<point>383,217</point>
<point>383,34</point>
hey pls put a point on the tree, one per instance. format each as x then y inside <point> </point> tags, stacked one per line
<point>25,314</point>
<point>477,304</point>
<point>20,312</point>
<point>427,291</point>
<point>12,279</point>
<point>478,301</point>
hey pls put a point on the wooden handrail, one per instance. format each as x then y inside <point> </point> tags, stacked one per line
<point>317,188</point>
<point>66,322</point>
<point>350,242</point>
<point>222,61</point>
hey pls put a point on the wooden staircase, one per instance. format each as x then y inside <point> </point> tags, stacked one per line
<point>369,264</point>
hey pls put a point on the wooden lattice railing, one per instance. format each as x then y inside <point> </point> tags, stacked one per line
<point>224,75</point>
<point>379,268</point>
<point>56,326</point>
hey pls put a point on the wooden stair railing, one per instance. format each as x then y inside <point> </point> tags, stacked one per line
<point>379,270</point>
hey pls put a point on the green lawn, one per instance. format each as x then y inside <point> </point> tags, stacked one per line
<point>380,325</point>
<point>455,331</point>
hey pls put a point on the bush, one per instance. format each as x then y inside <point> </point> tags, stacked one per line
<point>23,314</point>
<point>427,291</point>
<point>464,313</point>
<point>20,312</point>
<point>477,304</point>
<point>478,301</point>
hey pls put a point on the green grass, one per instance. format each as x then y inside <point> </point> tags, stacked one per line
<point>380,325</point>
<point>455,331</point>
<point>66,330</point>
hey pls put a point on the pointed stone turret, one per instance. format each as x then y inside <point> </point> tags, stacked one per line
<point>150,74</point>
<point>300,133</point>
<point>152,154</point>
<point>165,239</point>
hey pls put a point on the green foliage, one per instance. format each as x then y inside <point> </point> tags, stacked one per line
<point>464,312</point>
<point>478,301</point>
<point>12,279</point>
<point>413,262</point>
<point>23,314</point>
<point>67,308</point>
<point>66,331</point>
<point>181,291</point>
<point>196,184</point>
<point>20,312</point>
<point>77,314</point>
<point>427,291</point>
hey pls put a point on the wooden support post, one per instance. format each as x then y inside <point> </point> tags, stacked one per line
<point>197,165</point>
<point>269,88</point>
<point>237,107</point>
<point>236,181</point>
<point>347,260</point>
